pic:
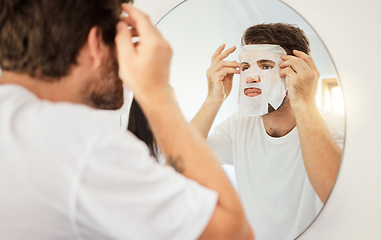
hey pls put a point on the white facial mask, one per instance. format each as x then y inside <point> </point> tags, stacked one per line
<point>260,83</point>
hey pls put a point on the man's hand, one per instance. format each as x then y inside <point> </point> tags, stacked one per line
<point>303,78</point>
<point>220,81</point>
<point>143,66</point>
<point>220,74</point>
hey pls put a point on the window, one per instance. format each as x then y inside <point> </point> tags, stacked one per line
<point>331,96</point>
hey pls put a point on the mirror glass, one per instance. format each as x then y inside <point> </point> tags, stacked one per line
<point>195,29</point>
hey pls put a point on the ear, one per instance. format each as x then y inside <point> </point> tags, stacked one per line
<point>96,46</point>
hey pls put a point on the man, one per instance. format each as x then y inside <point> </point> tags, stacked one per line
<point>66,171</point>
<point>286,160</point>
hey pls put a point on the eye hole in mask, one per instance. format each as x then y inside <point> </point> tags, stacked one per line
<point>265,64</point>
<point>244,66</point>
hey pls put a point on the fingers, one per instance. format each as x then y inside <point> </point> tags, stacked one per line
<point>127,19</point>
<point>308,59</point>
<point>301,61</point>
<point>140,22</point>
<point>232,65</point>
<point>302,64</point>
<point>229,68</point>
<point>219,55</point>
<point>129,22</point>
<point>287,72</point>
<point>225,71</point>
<point>218,51</point>
<point>130,25</point>
<point>217,60</point>
<point>226,53</point>
<point>222,72</point>
<point>297,64</point>
<point>123,42</point>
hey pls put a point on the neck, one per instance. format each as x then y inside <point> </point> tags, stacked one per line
<point>279,122</point>
<point>55,90</point>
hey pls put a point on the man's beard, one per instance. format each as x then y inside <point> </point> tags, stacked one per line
<point>105,91</point>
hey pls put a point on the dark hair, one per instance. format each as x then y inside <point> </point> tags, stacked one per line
<point>42,38</point>
<point>138,125</point>
<point>288,36</point>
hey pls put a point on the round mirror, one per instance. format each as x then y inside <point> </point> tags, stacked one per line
<point>195,29</point>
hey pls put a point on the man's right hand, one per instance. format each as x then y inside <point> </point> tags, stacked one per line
<point>220,81</point>
<point>220,74</point>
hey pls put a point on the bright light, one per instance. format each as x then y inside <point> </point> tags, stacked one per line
<point>337,100</point>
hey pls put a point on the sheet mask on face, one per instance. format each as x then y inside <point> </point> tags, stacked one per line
<point>260,83</point>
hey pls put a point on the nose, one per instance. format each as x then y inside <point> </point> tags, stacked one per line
<point>253,80</point>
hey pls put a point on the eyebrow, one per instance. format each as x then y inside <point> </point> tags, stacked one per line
<point>265,61</point>
<point>243,63</point>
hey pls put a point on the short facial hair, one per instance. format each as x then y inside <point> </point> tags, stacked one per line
<point>105,91</point>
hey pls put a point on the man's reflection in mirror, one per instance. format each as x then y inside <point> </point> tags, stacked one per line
<point>286,153</point>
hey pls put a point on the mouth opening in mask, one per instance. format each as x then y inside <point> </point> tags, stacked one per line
<point>252,92</point>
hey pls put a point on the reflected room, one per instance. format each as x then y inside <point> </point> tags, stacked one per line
<point>195,29</point>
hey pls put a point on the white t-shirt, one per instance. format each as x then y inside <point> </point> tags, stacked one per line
<point>68,172</point>
<point>272,182</point>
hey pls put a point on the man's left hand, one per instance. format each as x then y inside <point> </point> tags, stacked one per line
<point>303,79</point>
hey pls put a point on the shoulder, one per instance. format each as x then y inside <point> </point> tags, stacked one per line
<point>22,106</point>
<point>76,120</point>
<point>60,128</point>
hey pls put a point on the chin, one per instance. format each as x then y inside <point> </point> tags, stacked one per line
<point>111,99</point>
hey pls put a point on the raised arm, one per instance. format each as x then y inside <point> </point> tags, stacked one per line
<point>220,75</point>
<point>144,67</point>
<point>321,154</point>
